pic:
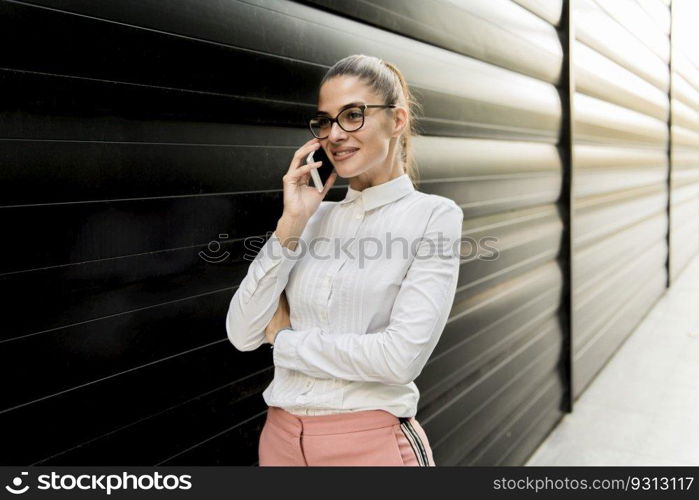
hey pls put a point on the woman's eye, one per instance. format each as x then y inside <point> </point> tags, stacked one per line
<point>355,115</point>
<point>323,122</point>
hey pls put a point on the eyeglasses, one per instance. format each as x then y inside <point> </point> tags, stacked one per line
<point>349,120</point>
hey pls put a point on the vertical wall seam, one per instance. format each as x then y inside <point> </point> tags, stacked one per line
<point>668,236</point>
<point>567,201</point>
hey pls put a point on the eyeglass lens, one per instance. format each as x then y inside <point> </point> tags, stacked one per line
<point>350,119</point>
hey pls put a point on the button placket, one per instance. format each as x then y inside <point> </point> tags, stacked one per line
<point>359,210</point>
<point>324,290</point>
<point>305,397</point>
<point>327,284</point>
<point>351,249</point>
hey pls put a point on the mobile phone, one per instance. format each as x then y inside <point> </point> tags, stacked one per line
<point>320,175</point>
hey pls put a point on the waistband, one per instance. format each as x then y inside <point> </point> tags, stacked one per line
<point>335,423</point>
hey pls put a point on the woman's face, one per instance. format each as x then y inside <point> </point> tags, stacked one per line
<point>375,141</point>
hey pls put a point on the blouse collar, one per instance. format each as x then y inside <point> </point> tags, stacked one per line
<point>386,192</point>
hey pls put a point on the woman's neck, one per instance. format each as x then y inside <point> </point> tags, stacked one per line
<point>362,181</point>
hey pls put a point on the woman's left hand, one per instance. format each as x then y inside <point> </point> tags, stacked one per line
<point>281,319</point>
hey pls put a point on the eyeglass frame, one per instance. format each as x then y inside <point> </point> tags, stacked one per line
<point>363,107</point>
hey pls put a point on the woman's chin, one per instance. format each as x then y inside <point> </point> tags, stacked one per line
<point>344,172</point>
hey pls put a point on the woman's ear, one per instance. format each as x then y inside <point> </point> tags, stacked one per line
<point>400,121</point>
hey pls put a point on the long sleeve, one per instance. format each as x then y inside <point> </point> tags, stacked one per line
<point>397,354</point>
<point>257,297</point>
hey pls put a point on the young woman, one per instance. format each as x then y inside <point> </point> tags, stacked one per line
<point>351,316</point>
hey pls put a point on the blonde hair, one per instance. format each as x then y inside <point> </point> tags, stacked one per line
<point>387,81</point>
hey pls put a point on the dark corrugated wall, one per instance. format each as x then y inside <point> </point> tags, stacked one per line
<point>136,136</point>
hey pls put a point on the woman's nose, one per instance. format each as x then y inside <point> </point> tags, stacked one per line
<point>336,132</point>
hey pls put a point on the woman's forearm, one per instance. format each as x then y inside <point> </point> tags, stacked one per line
<point>289,230</point>
<point>257,298</point>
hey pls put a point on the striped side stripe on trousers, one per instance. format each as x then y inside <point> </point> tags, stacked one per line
<point>415,442</point>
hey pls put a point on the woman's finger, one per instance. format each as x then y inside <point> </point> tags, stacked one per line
<point>328,184</point>
<point>304,170</point>
<point>300,156</point>
<point>305,152</point>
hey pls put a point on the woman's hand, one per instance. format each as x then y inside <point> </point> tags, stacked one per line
<point>302,199</point>
<point>281,319</point>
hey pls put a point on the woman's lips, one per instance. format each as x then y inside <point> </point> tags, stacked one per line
<point>344,156</point>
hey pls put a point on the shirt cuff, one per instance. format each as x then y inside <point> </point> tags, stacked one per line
<point>273,253</point>
<point>276,335</point>
<point>272,257</point>
<point>285,349</point>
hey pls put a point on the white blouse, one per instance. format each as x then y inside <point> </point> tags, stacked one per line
<point>370,287</point>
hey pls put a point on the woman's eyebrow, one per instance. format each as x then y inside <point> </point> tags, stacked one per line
<point>351,104</point>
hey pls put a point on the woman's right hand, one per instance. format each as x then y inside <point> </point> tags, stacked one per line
<point>281,319</point>
<point>301,198</point>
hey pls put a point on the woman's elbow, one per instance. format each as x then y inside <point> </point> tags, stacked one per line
<point>238,333</point>
<point>406,376</point>
<point>410,370</point>
<point>400,374</point>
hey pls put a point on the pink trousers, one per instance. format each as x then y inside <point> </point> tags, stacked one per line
<point>362,438</point>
